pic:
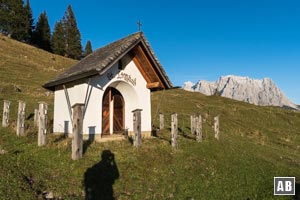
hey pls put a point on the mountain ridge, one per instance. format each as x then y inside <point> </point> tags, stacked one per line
<point>262,92</point>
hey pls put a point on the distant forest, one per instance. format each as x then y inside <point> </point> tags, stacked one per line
<point>16,21</point>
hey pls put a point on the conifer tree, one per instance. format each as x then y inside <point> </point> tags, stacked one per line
<point>29,21</point>
<point>73,38</point>
<point>12,19</point>
<point>58,41</point>
<point>42,35</point>
<point>5,21</point>
<point>88,48</point>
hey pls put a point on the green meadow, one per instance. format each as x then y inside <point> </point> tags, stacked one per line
<point>256,144</point>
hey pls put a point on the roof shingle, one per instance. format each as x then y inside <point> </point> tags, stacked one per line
<point>102,59</point>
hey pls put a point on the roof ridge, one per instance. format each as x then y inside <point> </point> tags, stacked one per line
<point>105,61</point>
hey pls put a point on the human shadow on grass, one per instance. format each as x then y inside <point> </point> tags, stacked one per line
<point>297,192</point>
<point>99,179</point>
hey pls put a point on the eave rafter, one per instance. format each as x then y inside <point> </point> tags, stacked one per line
<point>147,68</point>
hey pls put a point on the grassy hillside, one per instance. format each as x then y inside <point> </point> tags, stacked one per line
<point>256,144</point>
<point>27,68</point>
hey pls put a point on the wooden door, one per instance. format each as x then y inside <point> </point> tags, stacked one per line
<point>105,112</point>
<point>114,96</point>
<point>118,118</point>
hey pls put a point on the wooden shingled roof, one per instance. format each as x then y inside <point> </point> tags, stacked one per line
<point>102,59</point>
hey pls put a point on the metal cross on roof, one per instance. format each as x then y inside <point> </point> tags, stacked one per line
<point>139,23</point>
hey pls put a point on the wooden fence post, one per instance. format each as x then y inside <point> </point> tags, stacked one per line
<point>36,117</point>
<point>174,130</point>
<point>77,140</point>
<point>42,123</point>
<point>216,127</point>
<point>193,124</point>
<point>161,121</point>
<point>5,118</point>
<point>137,137</point>
<point>199,128</point>
<point>21,119</point>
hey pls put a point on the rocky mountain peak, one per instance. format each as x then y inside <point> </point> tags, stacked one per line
<point>255,91</point>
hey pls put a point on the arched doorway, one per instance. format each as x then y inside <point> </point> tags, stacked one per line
<point>112,111</point>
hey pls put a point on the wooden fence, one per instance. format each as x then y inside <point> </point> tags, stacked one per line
<point>41,119</point>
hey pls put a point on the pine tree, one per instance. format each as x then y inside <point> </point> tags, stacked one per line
<point>19,20</point>
<point>5,9</point>
<point>88,49</point>
<point>29,21</point>
<point>42,35</point>
<point>73,38</point>
<point>12,19</point>
<point>58,41</point>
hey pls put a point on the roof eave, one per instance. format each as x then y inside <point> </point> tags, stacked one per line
<point>52,84</point>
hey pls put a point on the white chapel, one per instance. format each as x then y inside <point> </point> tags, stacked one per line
<point>111,82</point>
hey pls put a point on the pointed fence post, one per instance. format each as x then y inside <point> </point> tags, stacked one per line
<point>199,128</point>
<point>161,121</point>
<point>137,138</point>
<point>5,118</point>
<point>21,119</point>
<point>42,123</point>
<point>36,117</point>
<point>77,140</point>
<point>216,127</point>
<point>174,130</point>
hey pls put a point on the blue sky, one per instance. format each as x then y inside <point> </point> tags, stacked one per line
<point>199,39</point>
